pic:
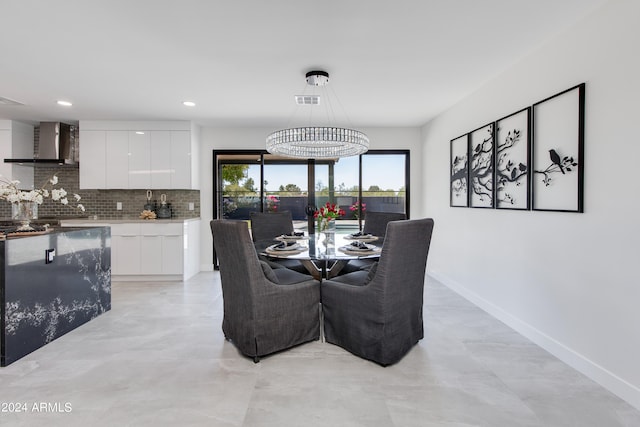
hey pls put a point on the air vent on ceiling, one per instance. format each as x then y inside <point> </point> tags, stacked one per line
<point>308,99</point>
<point>7,101</point>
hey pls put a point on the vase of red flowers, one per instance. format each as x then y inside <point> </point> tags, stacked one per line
<point>326,221</point>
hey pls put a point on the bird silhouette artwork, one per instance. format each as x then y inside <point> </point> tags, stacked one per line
<point>481,168</point>
<point>555,158</point>
<point>511,172</point>
<point>559,164</point>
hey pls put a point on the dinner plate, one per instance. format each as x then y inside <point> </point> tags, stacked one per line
<point>289,238</point>
<point>291,250</point>
<point>288,247</point>
<point>350,250</point>
<point>363,248</point>
<point>362,238</point>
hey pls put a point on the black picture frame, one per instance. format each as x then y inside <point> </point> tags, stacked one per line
<point>481,165</point>
<point>459,172</point>
<point>557,181</point>
<point>513,161</point>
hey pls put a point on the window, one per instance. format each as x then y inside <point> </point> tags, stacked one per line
<point>248,181</point>
<point>384,182</point>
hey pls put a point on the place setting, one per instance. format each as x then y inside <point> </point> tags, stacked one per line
<point>286,248</point>
<point>361,237</point>
<point>294,236</point>
<point>360,248</point>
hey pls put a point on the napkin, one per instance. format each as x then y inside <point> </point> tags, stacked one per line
<point>284,245</point>
<point>359,246</point>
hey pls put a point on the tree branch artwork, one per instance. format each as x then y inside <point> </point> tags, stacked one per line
<point>481,169</point>
<point>508,174</point>
<point>459,172</point>
<point>459,176</point>
<point>558,165</point>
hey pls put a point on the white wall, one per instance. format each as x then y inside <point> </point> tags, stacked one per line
<point>568,281</point>
<point>254,138</point>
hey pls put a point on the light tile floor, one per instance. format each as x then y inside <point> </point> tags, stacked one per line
<point>159,358</point>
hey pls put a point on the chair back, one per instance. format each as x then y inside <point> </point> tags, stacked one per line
<point>375,223</point>
<point>260,317</point>
<point>269,225</point>
<point>240,270</point>
<point>401,270</point>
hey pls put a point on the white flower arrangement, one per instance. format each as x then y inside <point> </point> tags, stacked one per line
<point>10,192</point>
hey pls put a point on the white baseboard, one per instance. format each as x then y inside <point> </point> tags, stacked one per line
<point>597,373</point>
<point>206,267</point>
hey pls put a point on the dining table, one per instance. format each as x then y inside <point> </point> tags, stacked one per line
<point>324,255</point>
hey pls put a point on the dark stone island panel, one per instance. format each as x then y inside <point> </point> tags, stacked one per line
<point>42,300</point>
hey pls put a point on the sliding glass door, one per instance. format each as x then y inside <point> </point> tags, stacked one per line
<point>384,182</point>
<point>286,186</point>
<point>248,181</point>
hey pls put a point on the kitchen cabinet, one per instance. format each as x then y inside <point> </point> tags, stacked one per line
<point>116,159</point>
<point>160,157</point>
<point>16,142</point>
<point>125,249</point>
<point>93,174</point>
<point>138,155</point>
<point>181,159</point>
<point>151,250</point>
<point>161,248</point>
<point>139,160</point>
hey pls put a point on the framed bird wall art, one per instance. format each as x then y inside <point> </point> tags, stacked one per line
<point>459,177</point>
<point>557,170</point>
<point>481,182</point>
<point>513,171</point>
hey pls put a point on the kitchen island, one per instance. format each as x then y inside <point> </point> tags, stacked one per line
<point>50,284</point>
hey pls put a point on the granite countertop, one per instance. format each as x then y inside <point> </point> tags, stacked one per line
<point>91,221</point>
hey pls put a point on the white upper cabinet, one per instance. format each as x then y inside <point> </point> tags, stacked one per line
<point>181,160</point>
<point>137,155</point>
<point>16,142</point>
<point>161,171</point>
<point>92,157</point>
<point>116,159</point>
<point>139,159</point>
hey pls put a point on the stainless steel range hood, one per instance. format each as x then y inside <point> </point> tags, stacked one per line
<point>56,146</point>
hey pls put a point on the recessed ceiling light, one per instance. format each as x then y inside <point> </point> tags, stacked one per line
<point>139,133</point>
<point>189,103</point>
<point>65,103</point>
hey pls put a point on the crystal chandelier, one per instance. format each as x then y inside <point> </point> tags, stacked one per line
<point>317,142</point>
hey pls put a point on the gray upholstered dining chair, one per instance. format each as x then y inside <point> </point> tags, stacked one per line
<point>375,224</point>
<point>265,310</point>
<point>265,227</point>
<point>377,314</point>
<point>268,225</point>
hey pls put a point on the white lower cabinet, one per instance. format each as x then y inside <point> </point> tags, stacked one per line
<point>150,255</point>
<point>152,251</point>
<point>161,248</point>
<point>172,254</point>
<point>125,249</point>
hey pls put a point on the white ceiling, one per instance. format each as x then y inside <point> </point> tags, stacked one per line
<point>392,63</point>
